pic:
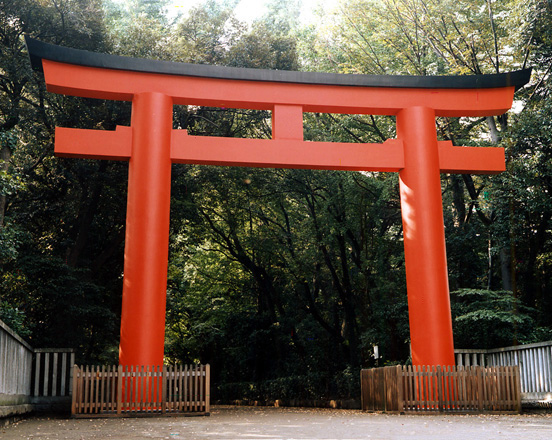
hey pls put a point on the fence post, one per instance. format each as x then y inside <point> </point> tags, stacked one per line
<point>62,391</point>
<point>424,388</point>
<point>71,362</point>
<point>439,376</point>
<point>186,391</point>
<point>75,395</point>
<point>388,383</point>
<point>391,386</point>
<point>46,373</point>
<point>517,385</point>
<point>85,377</point>
<point>37,374</point>
<point>54,373</point>
<point>179,404</point>
<point>400,388</point>
<point>480,387</point>
<point>119,389</point>
<point>379,381</point>
<point>203,389</point>
<point>164,389</point>
<point>208,388</point>
<point>362,390</point>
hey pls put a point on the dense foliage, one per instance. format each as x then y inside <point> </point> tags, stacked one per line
<point>283,280</point>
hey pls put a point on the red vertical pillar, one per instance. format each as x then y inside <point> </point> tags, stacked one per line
<point>147,232</point>
<point>424,239</point>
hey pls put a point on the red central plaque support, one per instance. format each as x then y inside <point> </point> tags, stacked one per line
<point>151,145</point>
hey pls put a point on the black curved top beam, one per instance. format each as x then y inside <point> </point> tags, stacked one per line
<point>39,50</point>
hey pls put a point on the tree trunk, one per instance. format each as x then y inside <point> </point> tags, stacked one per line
<point>505,271</point>
<point>506,267</point>
<point>490,265</point>
<point>493,130</point>
<point>86,216</point>
<point>5,156</point>
<point>536,249</point>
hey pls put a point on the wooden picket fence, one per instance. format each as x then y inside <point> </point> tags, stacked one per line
<point>117,391</point>
<point>461,389</point>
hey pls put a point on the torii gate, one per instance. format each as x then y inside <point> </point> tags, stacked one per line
<point>150,145</point>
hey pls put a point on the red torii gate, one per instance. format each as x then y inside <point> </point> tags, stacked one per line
<point>150,145</point>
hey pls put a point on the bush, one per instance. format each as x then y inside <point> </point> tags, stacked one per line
<point>310,386</point>
<point>490,319</point>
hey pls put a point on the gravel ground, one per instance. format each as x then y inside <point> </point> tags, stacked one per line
<point>289,423</point>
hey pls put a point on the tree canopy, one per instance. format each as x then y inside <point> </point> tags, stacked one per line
<point>283,280</point>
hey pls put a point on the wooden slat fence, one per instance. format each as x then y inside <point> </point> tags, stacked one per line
<point>117,391</point>
<point>441,389</point>
<point>534,361</point>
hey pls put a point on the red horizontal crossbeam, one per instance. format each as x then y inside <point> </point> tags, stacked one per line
<point>276,153</point>
<point>286,153</point>
<point>466,160</point>
<point>94,144</point>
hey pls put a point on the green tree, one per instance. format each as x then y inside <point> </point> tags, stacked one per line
<point>50,206</point>
<point>425,37</point>
<point>484,319</point>
<point>305,256</point>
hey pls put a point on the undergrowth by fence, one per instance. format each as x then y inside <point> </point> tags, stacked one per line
<point>441,389</point>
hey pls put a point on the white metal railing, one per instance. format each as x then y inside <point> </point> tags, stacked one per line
<point>534,360</point>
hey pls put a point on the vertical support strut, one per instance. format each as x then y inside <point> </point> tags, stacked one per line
<point>147,232</point>
<point>424,239</point>
<point>287,122</point>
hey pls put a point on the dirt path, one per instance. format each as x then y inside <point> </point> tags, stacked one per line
<point>289,423</point>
